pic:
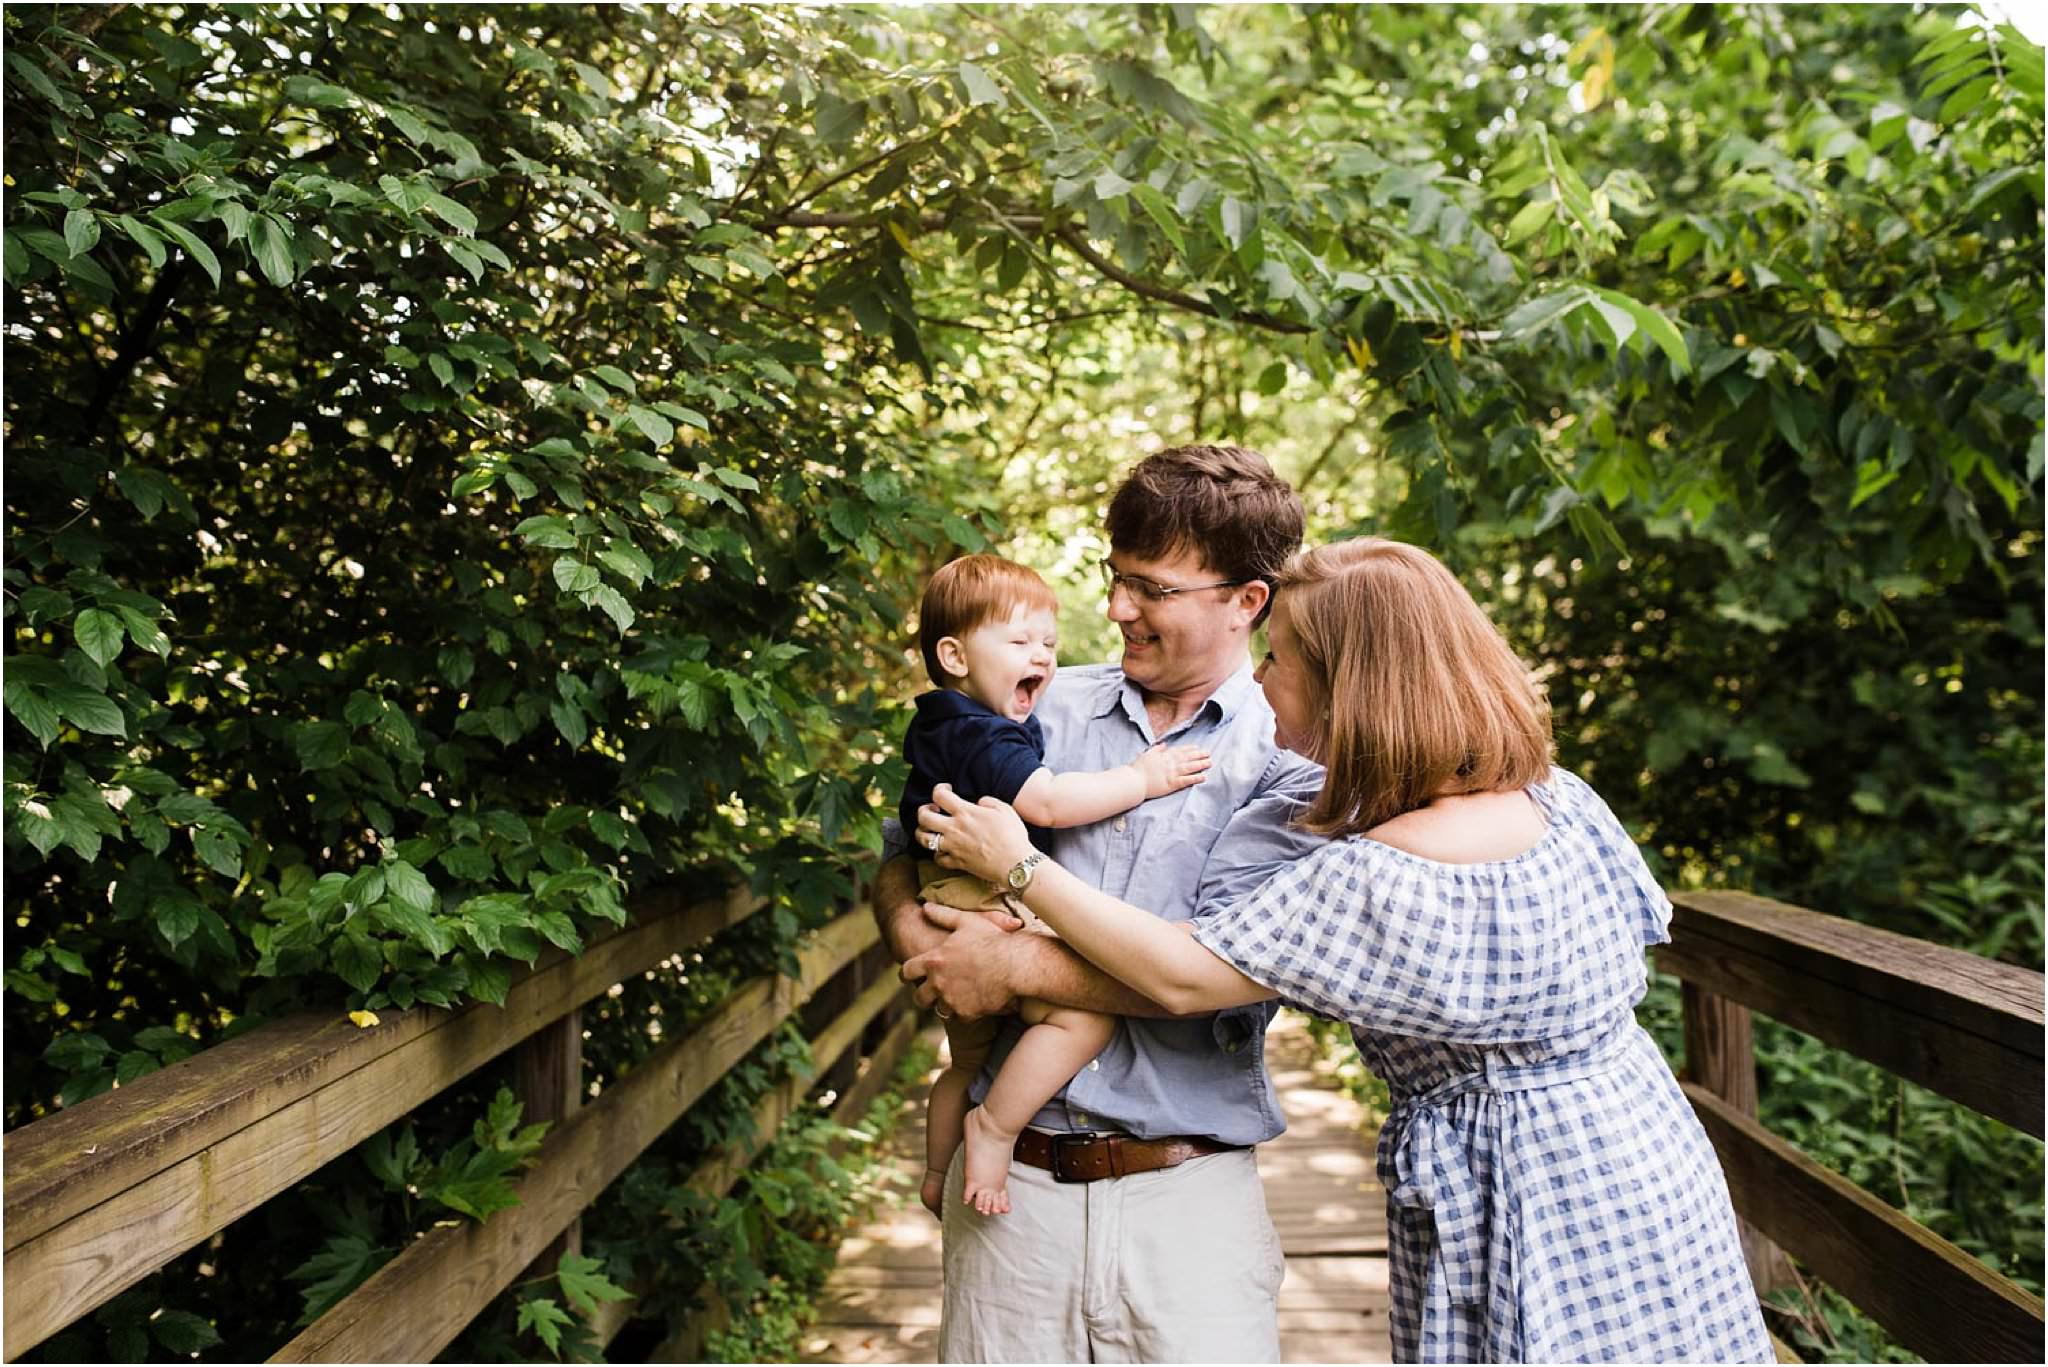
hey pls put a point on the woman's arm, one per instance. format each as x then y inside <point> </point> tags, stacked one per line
<point>1153,956</point>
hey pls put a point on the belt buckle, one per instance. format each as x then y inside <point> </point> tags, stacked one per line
<point>1060,1144</point>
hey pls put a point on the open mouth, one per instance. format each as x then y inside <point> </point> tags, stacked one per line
<point>1025,696</point>
<point>1135,641</point>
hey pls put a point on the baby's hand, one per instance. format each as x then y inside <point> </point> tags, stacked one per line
<point>1168,769</point>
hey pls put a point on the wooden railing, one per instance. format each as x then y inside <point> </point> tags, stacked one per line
<point>1966,1027</point>
<point>105,1192</point>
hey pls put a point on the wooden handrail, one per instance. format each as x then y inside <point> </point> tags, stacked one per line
<point>415,1305</point>
<point>105,1192</point>
<point>1966,1027</point>
<point>715,1176</point>
<point>1936,1299</point>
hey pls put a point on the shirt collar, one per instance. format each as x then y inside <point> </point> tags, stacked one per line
<point>1219,707</point>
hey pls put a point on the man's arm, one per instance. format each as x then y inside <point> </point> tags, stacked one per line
<point>980,970</point>
<point>898,912</point>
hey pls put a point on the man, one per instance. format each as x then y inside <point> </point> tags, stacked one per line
<point>1150,1241</point>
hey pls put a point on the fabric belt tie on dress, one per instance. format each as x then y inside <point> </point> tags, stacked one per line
<point>1081,1157</point>
<point>1429,1168</point>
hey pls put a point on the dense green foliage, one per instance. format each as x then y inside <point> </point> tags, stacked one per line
<point>468,465</point>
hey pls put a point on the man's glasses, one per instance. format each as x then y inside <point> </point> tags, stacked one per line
<point>1155,593</point>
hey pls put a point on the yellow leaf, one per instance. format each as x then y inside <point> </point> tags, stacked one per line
<point>1457,344</point>
<point>1737,278</point>
<point>896,231</point>
<point>363,1019</point>
<point>1586,44</point>
<point>1361,352</point>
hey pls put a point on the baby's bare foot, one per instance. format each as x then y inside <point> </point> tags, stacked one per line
<point>933,1193</point>
<point>988,1164</point>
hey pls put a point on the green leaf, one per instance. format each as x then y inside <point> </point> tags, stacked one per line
<point>652,425</point>
<point>838,120</point>
<point>88,709</point>
<point>343,1263</point>
<point>408,886</point>
<point>270,240</point>
<point>583,1281</point>
<point>360,962</point>
<point>1533,315</point>
<point>451,212</point>
<point>616,378</point>
<point>1531,219</point>
<point>546,1319</point>
<point>598,83</point>
<point>472,264</point>
<point>546,531</point>
<point>613,604</point>
<point>980,88</point>
<point>320,744</point>
<point>151,241</point>
<point>574,576</point>
<point>485,919</point>
<point>569,720</point>
<point>1160,212</point>
<point>627,561</point>
<point>99,635</point>
<point>1963,102</point>
<point>219,849</point>
<point>176,919</point>
<point>35,713</point>
<point>194,248</point>
<point>81,231</point>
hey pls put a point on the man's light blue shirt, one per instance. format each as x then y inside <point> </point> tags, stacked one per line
<point>1179,856</point>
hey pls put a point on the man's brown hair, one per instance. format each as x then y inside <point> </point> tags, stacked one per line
<point>1420,696</point>
<point>969,591</point>
<point>1224,503</point>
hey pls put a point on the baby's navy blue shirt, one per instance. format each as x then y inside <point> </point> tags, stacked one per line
<point>954,739</point>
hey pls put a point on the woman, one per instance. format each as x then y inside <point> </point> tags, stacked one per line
<point>1479,918</point>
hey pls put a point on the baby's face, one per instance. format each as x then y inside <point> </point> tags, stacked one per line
<point>1010,662</point>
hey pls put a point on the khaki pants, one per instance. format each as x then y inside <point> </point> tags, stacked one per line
<point>1179,1265</point>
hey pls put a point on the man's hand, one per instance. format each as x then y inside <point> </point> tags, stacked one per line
<point>968,971</point>
<point>1170,768</point>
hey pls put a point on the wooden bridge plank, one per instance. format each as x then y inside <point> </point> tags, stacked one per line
<point>1938,1300</point>
<point>1967,1027</point>
<point>416,1304</point>
<point>183,1166</point>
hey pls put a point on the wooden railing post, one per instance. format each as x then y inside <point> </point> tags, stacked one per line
<point>547,1077</point>
<point>1720,1055</point>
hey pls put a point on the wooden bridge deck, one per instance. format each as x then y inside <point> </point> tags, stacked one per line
<point>882,1302</point>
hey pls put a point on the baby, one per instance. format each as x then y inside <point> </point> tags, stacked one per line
<point>988,630</point>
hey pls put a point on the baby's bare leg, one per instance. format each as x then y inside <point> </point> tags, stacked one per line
<point>1058,1045</point>
<point>946,1108</point>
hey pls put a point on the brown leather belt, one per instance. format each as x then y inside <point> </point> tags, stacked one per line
<point>1092,1157</point>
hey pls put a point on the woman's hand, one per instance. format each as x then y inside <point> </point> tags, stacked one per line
<point>986,841</point>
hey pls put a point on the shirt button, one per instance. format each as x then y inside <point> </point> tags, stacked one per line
<point>1094,1065</point>
<point>1120,823</point>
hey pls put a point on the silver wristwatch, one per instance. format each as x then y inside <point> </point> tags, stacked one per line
<point>1019,877</point>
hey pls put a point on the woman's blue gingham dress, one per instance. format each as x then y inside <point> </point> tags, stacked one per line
<point>1551,1197</point>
